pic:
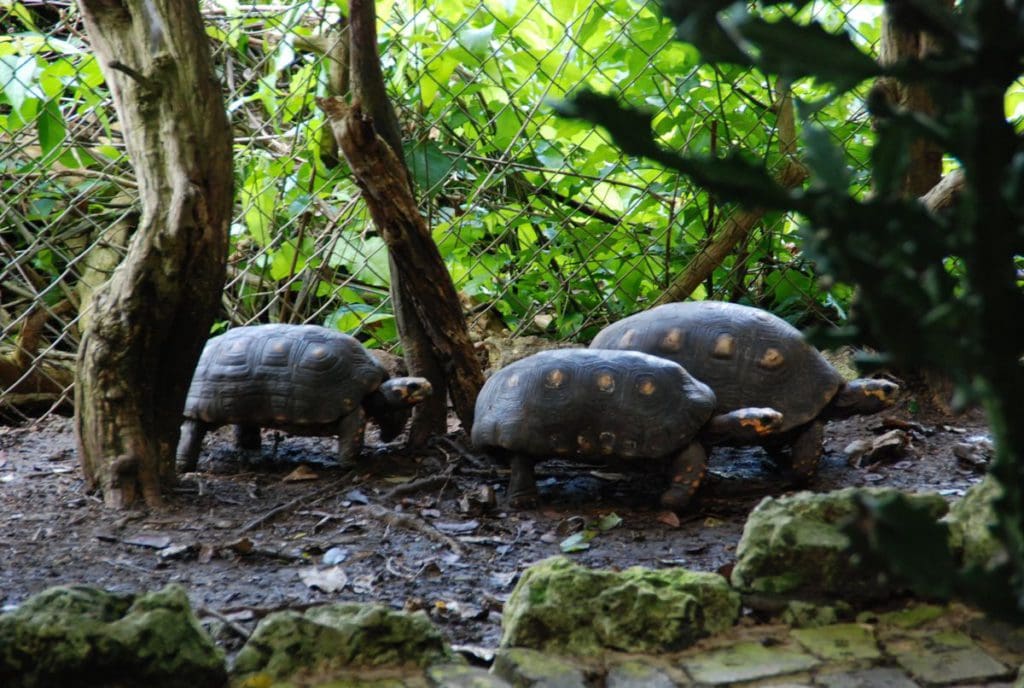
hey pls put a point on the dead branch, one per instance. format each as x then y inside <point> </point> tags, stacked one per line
<point>395,519</point>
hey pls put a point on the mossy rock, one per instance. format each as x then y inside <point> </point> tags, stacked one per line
<point>332,637</point>
<point>84,636</point>
<point>560,606</point>
<point>794,547</point>
<point>970,521</point>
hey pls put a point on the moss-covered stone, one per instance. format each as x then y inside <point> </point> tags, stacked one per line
<point>793,546</point>
<point>801,614</point>
<point>970,520</point>
<point>563,607</point>
<point>83,636</point>
<point>522,666</point>
<point>330,637</point>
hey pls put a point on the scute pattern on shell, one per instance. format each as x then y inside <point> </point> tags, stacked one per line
<point>281,375</point>
<point>750,357</point>
<point>577,401</point>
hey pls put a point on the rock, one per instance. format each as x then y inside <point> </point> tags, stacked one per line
<point>638,673</point>
<point>336,636</point>
<point>523,667</point>
<point>793,546</point>
<point>748,661</point>
<point>502,351</point>
<point>563,607</point>
<point>969,519</point>
<point>839,642</point>
<point>462,676</point>
<point>801,614</point>
<point>84,636</point>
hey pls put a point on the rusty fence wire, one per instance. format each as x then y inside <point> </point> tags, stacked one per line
<point>545,227</point>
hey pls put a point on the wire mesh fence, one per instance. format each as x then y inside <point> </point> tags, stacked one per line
<point>545,228</point>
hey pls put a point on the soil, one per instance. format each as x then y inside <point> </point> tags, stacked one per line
<point>290,529</point>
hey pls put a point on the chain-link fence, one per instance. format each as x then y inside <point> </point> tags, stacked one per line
<point>545,227</point>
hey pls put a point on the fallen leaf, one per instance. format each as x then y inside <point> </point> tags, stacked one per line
<point>456,526</point>
<point>335,555</point>
<point>357,497</point>
<point>669,518</point>
<point>577,542</point>
<point>242,546</point>
<point>609,521</point>
<point>176,552</point>
<point>153,541</point>
<point>331,579</point>
<point>303,472</point>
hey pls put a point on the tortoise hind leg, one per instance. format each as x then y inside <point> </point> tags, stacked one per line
<point>189,445</point>
<point>806,451</point>
<point>350,438</point>
<point>685,476</point>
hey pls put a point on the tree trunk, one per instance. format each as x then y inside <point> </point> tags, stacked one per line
<point>434,336</point>
<point>149,322</point>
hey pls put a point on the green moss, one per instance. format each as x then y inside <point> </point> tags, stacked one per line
<point>330,637</point>
<point>561,606</point>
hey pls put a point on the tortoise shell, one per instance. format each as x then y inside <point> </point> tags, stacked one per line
<point>585,402</point>
<point>281,375</point>
<point>749,357</point>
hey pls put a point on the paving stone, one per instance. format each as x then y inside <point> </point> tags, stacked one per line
<point>638,673</point>
<point>839,642</point>
<point>525,668</point>
<point>879,677</point>
<point>946,658</point>
<point>747,661</point>
<point>462,676</point>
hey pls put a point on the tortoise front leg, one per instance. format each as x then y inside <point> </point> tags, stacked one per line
<point>191,441</point>
<point>522,486</point>
<point>350,438</point>
<point>685,475</point>
<point>806,451</point>
<point>247,437</point>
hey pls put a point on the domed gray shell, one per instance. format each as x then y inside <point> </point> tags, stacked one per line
<point>578,401</point>
<point>281,375</point>
<point>748,356</point>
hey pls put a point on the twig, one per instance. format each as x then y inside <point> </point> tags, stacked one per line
<point>394,519</point>
<point>422,484</point>
<point>259,520</point>
<point>238,628</point>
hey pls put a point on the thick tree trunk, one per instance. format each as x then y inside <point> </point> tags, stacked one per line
<point>427,289</point>
<point>434,336</point>
<point>149,322</point>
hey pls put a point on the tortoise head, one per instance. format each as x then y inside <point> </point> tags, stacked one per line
<point>390,405</point>
<point>862,396</point>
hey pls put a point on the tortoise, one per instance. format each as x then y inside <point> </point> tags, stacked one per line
<point>624,405</point>
<point>304,379</point>
<point>750,357</point>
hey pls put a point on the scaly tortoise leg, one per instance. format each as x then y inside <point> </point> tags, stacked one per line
<point>685,476</point>
<point>522,486</point>
<point>189,445</point>
<point>247,437</point>
<point>806,451</point>
<point>351,428</point>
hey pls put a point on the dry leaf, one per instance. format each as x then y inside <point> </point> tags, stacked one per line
<point>303,472</point>
<point>669,518</point>
<point>332,579</point>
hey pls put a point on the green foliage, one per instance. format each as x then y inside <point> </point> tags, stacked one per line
<point>936,290</point>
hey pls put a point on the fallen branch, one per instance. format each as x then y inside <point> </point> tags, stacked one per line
<point>287,506</point>
<point>396,519</point>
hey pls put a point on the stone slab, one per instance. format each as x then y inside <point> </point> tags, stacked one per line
<point>839,642</point>
<point>638,673</point>
<point>879,677</point>
<point>748,661</point>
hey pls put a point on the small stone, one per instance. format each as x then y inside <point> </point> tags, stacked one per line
<point>638,673</point>
<point>839,642</point>
<point>748,661</point>
<point>524,667</point>
<point>799,614</point>
<point>879,677</point>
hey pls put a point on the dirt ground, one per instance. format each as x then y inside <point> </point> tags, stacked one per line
<point>412,530</point>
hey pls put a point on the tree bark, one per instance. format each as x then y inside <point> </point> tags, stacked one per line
<point>428,289</point>
<point>149,322</point>
<point>435,340</point>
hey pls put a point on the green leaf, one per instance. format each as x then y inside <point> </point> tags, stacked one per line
<point>796,50</point>
<point>430,165</point>
<point>51,127</point>
<point>825,159</point>
<point>577,542</point>
<point>477,41</point>
<point>609,521</point>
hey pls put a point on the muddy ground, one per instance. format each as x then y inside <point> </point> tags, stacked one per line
<point>290,530</point>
